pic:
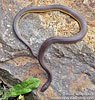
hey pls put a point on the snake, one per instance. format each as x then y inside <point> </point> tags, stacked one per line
<point>56,39</point>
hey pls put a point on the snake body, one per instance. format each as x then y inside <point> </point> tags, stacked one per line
<point>56,39</point>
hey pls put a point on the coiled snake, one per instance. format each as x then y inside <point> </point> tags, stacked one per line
<point>49,41</point>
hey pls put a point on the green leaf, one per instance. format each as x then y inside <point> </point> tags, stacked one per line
<point>22,88</point>
<point>5,98</point>
<point>1,92</point>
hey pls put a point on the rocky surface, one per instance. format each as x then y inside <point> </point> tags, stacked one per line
<point>72,65</point>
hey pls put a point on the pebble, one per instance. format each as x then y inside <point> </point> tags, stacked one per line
<point>8,25</point>
<point>10,9</point>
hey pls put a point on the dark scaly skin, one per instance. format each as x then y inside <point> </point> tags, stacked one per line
<point>49,41</point>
